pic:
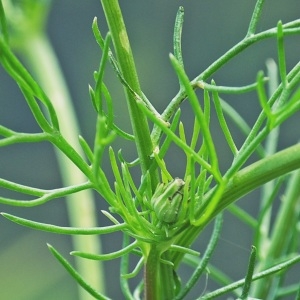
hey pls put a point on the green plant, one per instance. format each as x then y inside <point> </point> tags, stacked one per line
<point>161,216</point>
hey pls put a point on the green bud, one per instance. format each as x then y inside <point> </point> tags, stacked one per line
<point>167,200</point>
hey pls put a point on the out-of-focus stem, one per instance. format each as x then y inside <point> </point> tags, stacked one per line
<point>285,220</point>
<point>81,209</point>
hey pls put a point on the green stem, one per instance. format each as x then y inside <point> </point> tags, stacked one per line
<point>218,64</point>
<point>233,286</point>
<point>248,278</point>
<point>139,125</point>
<point>281,233</point>
<point>127,66</point>
<point>42,60</point>
<point>151,275</point>
<point>255,17</point>
<point>159,283</point>
<point>241,184</point>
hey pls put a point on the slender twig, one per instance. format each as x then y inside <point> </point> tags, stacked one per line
<point>248,279</point>
<point>80,280</point>
<point>204,261</point>
<point>64,230</point>
<point>257,276</point>
<point>255,17</point>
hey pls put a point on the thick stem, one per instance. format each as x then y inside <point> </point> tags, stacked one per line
<point>126,62</point>
<point>243,182</point>
<point>140,128</point>
<point>158,277</point>
<point>151,275</point>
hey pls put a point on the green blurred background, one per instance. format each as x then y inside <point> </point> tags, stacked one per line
<point>27,269</point>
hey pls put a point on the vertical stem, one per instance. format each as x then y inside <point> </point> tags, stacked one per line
<point>139,125</point>
<point>151,275</point>
<point>126,62</point>
<point>42,60</point>
<point>158,277</point>
<point>287,215</point>
<point>166,272</point>
<point>271,146</point>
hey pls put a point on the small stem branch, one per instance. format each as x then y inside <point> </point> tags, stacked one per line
<point>239,283</point>
<point>255,17</point>
<point>40,55</point>
<point>288,29</point>
<point>248,279</point>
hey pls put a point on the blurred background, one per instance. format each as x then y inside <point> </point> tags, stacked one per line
<point>28,270</point>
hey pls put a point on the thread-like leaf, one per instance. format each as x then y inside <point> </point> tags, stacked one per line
<point>204,261</point>
<point>108,256</point>
<point>76,275</point>
<point>3,24</point>
<point>177,34</point>
<point>124,270</point>
<point>199,114</point>
<point>176,139</point>
<point>239,283</point>
<point>223,123</point>
<point>64,230</point>
<point>281,55</point>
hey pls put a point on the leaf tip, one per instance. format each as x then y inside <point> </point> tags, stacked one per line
<point>95,20</point>
<point>50,247</point>
<point>6,215</point>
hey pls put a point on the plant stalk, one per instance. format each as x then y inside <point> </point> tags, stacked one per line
<point>152,272</point>
<point>281,233</point>
<point>243,182</point>
<point>159,279</point>
<point>127,66</point>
